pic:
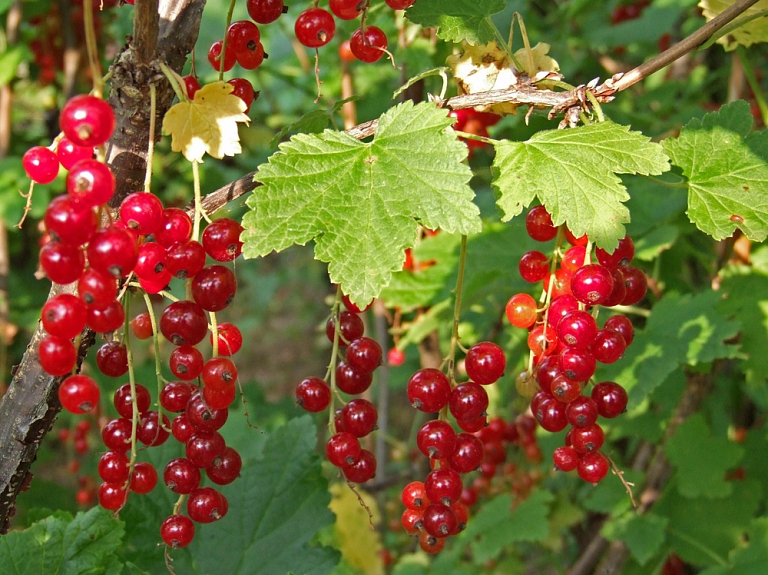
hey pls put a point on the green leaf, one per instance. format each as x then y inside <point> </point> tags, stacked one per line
<point>275,508</point>
<point>496,525</point>
<point>63,545</point>
<point>682,329</point>
<point>10,60</point>
<point>643,534</point>
<point>610,496</point>
<point>746,300</point>
<point>313,122</point>
<point>703,531</point>
<point>751,555</point>
<point>727,171</point>
<point>361,202</point>
<point>573,173</point>
<point>457,20</point>
<point>702,460</point>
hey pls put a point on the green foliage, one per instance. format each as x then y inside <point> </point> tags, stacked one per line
<point>458,20</point>
<point>749,557</point>
<point>275,509</point>
<point>64,545</point>
<point>727,171</point>
<point>361,202</point>
<point>643,534</point>
<point>702,460</point>
<point>573,173</point>
<point>682,330</point>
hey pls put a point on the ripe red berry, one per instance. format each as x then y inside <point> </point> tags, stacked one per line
<point>113,467</point>
<point>150,432</point>
<point>192,86</point>
<point>521,310</point>
<point>610,398</point>
<point>57,355</point>
<point>62,263</point>
<point>265,11</point>
<point>538,224</point>
<point>204,447</point>
<point>112,496</point>
<point>436,439</point>
<point>214,57</point>
<point>621,256</point>
<point>107,319</point>
<point>70,223</point>
<point>352,328</point>
<point>621,325</point>
<point>443,485</point>
<point>90,184</point>
<point>243,89</point>
<point>181,476</point>
<point>184,323</point>
<point>533,266</point>
<point>226,468</point>
<point>176,394</point>
<point>364,354</point>
<point>429,390</point>
<point>468,453</point>
<point>185,259</point>
<point>41,165</point>
<point>565,458</point>
<point>313,394</point>
<point>363,469</point>
<point>176,227</point>
<point>116,435</point>
<point>177,531</point>
<point>79,394</point>
<point>113,251</point>
<point>206,505</point>
<point>70,153</point>
<point>214,287</point>
<point>87,120</point>
<point>439,520</point>
<point>351,380</point>
<point>399,4</point>
<point>346,9</point>
<point>142,212</point>
<point>359,417</point>
<point>369,45</point>
<point>485,363</point>
<point>395,357</point>
<point>124,403</point>
<point>64,316</point>
<point>112,359</point>
<point>592,284</point>
<point>315,27</point>
<point>342,449</point>
<point>593,467</point>
<point>242,35</point>
<point>144,478</point>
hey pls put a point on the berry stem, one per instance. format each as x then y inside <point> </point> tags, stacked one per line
<point>156,345</point>
<point>596,106</point>
<point>132,383</point>
<point>503,43</point>
<point>199,211</point>
<point>457,312</point>
<point>749,74</point>
<point>151,145</point>
<point>92,48</point>
<point>331,375</point>
<point>625,309</point>
<point>215,335</point>
<point>224,41</point>
<point>28,205</point>
<point>175,80</point>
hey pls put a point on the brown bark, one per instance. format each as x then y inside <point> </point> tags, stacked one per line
<point>31,404</point>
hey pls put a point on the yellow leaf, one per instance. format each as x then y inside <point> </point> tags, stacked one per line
<point>750,33</point>
<point>208,124</point>
<point>359,544</point>
<point>488,67</point>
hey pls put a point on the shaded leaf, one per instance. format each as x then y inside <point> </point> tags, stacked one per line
<point>457,20</point>
<point>751,556</point>
<point>643,534</point>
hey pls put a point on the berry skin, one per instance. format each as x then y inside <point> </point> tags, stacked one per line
<point>399,4</point>
<point>108,319</point>
<point>113,467</point>
<point>593,467</point>
<point>41,165</point>
<point>581,412</point>
<point>538,224</point>
<point>87,121</point>
<point>533,266</point>
<point>112,496</point>
<point>184,323</point>
<point>112,359</point>
<point>592,284</point>
<point>116,435</point>
<point>226,468</point>
<point>429,390</point>
<point>62,263</point>
<point>621,256</point>
<point>577,328</point>
<point>64,316</point>
<point>243,35</point>
<point>181,476</point>
<point>96,289</point>
<point>439,520</point>
<point>636,285</point>
<point>313,394</point>
<point>346,9</point>
<point>550,413</point>
<point>468,401</point>
<point>608,347</point>
<point>265,11</point>
<point>485,363</point>
<point>186,362</point>
<point>175,395</point>
<point>521,310</point>
<point>468,453</point>
<point>621,325</point>
<point>221,239</point>
<point>243,89</point>
<point>185,259</point>
<point>414,496</point>
<point>230,339</point>
<point>57,355</point>
<point>123,400</point>
<point>578,363</point>
<point>149,432</point>
<point>79,394</point>
<point>214,287</point>
<point>436,439</point>
<point>364,354</point>
<point>363,469</point>
<point>351,380</point>
<point>359,417</point>
<point>351,325</point>
<point>610,398</point>
<point>70,223</point>
<point>565,458</point>
<point>204,447</point>
<point>206,505</point>
<point>113,251</point>
<point>315,27</point>
<point>431,544</point>
<point>369,45</point>
<point>142,212</point>
<point>342,449</point>
<point>141,326</point>
<point>191,85</point>
<point>90,184</point>
<point>176,227</point>
<point>214,56</point>
<point>144,478</point>
<point>443,486</point>
<point>177,531</point>
<point>69,153</point>
<point>412,521</point>
<point>587,439</point>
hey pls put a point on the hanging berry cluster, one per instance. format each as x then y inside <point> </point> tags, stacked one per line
<point>566,343</point>
<point>144,249</point>
<point>353,376</point>
<point>433,508</point>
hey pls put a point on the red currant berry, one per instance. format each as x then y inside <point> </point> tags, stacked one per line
<point>314,27</point>
<point>363,469</point>
<point>57,355</point>
<point>414,496</point>
<point>468,453</point>
<point>112,496</point>
<point>90,184</point>
<point>352,328</point>
<point>577,328</point>
<point>533,266</point>
<point>108,319</point>
<point>113,467</point>
<point>485,363</point>
<point>313,394</point>
<point>399,4</point>
<point>185,259</point>
<point>592,284</point>
<point>176,227</point>
<point>177,531</point>
<point>621,325</point>
<point>112,359</point>
<point>150,432</point>
<point>116,435</point>
<point>186,362</point>
<point>243,89</point>
<point>573,259</point>
<point>62,263</point>
<point>113,251</point>
<point>538,224</point>
<point>621,256</point>
<point>202,416</point>
<point>395,357</point>
<point>359,417</point>
<point>468,401</point>
<point>69,153</point>
<point>565,458</point>
<point>443,486</point>
<point>214,57</point>
<point>364,354</point>
<point>351,380</point>
<point>521,310</point>
<point>64,316</point>
<point>206,505</point>
<point>593,467</point>
<point>191,85</point>
<point>346,9</point>
<point>79,394</point>
<point>226,468</point>
<point>550,413</point>
<point>636,285</point>
<point>70,223</point>
<point>41,165</point>
<point>123,400</point>
<point>221,240</point>
<point>369,45</point>
<point>265,11</point>
<point>144,478</point>
<point>141,325</point>
<point>181,476</point>
<point>87,121</point>
<point>218,373</point>
<point>608,347</point>
<point>560,306</point>
<point>439,520</point>
<point>214,287</point>
<point>578,363</point>
<point>184,323</point>
<point>429,390</point>
<point>610,398</point>
<point>436,439</point>
<point>204,447</point>
<point>586,439</point>
<point>142,212</point>
<point>581,412</point>
<point>342,449</point>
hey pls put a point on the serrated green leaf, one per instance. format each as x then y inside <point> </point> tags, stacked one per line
<point>702,460</point>
<point>703,531</point>
<point>275,508</point>
<point>496,525</point>
<point>746,300</point>
<point>63,545</point>
<point>751,556</point>
<point>643,534</point>
<point>361,202</point>
<point>457,20</point>
<point>727,171</point>
<point>611,496</point>
<point>573,173</point>
<point>682,330</point>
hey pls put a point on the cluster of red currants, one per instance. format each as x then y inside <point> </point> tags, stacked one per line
<point>434,510</point>
<point>353,376</point>
<point>152,245</point>
<point>566,343</point>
